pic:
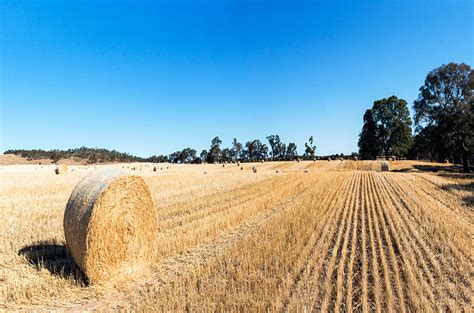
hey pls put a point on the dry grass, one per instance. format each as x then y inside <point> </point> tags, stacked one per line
<point>343,236</point>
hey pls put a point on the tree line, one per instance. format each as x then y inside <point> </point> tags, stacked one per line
<point>91,155</point>
<point>251,151</point>
<point>443,120</point>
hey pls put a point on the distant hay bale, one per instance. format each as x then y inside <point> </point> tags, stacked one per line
<point>329,159</point>
<point>154,168</point>
<point>205,172</point>
<point>241,168</point>
<point>223,164</point>
<point>384,167</point>
<point>254,169</point>
<point>277,171</point>
<point>60,169</point>
<point>306,171</point>
<point>238,163</point>
<point>263,161</point>
<point>110,225</point>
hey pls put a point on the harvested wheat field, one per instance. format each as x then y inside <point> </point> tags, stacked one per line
<point>342,236</point>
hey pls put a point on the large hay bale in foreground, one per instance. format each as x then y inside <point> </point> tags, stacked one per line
<point>60,169</point>
<point>384,167</point>
<point>110,225</point>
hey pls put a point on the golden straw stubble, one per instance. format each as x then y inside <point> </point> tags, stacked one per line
<point>110,225</point>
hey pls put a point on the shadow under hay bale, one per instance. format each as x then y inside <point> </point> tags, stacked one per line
<point>54,258</point>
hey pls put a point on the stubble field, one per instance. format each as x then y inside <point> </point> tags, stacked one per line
<point>319,236</point>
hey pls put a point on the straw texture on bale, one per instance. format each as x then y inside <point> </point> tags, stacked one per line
<point>384,167</point>
<point>110,225</point>
<point>60,169</point>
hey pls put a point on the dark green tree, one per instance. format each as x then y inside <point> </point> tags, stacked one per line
<point>227,155</point>
<point>369,146</point>
<point>446,102</point>
<point>255,150</point>
<point>277,146</point>
<point>214,154</point>
<point>203,155</point>
<point>291,151</point>
<point>236,149</point>
<point>310,148</point>
<point>393,122</point>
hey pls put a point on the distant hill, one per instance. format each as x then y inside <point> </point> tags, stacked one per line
<point>80,155</point>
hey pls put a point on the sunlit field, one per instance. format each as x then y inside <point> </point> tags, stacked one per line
<point>309,235</point>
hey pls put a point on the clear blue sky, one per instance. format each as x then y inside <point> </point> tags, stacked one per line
<point>157,76</point>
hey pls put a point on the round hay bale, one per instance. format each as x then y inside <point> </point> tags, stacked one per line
<point>254,169</point>
<point>241,168</point>
<point>110,225</point>
<point>277,171</point>
<point>154,169</point>
<point>60,169</point>
<point>306,171</point>
<point>384,167</point>
<point>204,172</point>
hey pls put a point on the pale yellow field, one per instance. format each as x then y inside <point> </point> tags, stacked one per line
<point>341,236</point>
